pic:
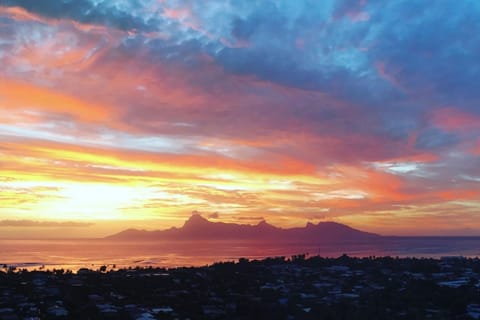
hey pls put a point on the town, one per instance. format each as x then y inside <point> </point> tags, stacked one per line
<point>297,287</point>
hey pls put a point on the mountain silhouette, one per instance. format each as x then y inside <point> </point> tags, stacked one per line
<point>199,228</point>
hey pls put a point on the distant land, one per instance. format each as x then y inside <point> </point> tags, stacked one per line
<point>199,228</point>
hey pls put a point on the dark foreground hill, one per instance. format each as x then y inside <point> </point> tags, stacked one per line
<point>199,228</point>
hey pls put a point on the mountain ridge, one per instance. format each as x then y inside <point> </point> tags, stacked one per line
<point>199,228</point>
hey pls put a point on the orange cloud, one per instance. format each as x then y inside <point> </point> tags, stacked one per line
<point>459,195</point>
<point>136,161</point>
<point>18,95</point>
<point>19,14</point>
<point>285,191</point>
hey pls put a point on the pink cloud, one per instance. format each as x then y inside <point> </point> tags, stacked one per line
<point>453,119</point>
<point>387,75</point>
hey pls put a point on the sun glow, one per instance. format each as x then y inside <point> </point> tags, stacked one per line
<point>80,201</point>
<point>95,201</point>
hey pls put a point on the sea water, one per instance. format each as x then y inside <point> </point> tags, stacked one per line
<point>86,253</point>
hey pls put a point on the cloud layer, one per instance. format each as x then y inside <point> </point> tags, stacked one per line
<point>360,111</point>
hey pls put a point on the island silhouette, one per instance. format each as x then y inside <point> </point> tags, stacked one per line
<point>199,228</point>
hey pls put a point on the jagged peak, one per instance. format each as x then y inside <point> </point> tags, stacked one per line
<point>195,218</point>
<point>264,223</point>
<point>310,225</point>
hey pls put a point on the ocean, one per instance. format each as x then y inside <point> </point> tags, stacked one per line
<point>75,254</point>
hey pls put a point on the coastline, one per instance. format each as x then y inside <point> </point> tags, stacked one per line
<point>76,254</point>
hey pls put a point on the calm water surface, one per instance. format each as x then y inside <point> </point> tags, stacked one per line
<point>75,254</point>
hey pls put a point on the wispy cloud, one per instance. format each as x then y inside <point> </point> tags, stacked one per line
<point>44,224</point>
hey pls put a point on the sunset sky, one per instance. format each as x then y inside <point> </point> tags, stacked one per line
<point>135,113</point>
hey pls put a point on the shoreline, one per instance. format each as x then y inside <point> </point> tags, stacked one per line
<point>113,267</point>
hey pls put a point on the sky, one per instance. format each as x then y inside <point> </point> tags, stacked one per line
<point>136,113</point>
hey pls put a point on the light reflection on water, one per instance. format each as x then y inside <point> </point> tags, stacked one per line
<point>75,254</point>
